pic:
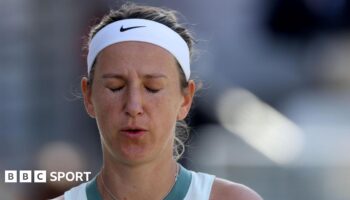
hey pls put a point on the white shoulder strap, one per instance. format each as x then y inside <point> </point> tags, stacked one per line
<point>200,187</point>
<point>76,193</point>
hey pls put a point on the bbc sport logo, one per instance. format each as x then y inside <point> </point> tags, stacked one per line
<point>41,176</point>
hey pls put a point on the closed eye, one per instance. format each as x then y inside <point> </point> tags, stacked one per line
<point>152,90</point>
<point>116,89</point>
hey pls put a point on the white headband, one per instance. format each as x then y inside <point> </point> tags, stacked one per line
<point>143,31</point>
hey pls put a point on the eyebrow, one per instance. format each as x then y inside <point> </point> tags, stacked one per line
<point>116,76</point>
<point>147,76</point>
<point>155,75</point>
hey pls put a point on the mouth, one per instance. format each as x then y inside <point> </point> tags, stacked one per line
<point>134,132</point>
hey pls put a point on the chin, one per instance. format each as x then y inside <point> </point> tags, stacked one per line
<point>134,154</point>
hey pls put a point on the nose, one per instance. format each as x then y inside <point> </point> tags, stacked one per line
<point>134,104</point>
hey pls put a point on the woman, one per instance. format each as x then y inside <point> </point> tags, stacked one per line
<point>138,88</point>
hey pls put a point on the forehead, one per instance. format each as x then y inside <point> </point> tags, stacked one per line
<point>140,56</point>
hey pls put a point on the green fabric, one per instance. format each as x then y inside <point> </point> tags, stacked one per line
<point>92,191</point>
<point>181,186</point>
<point>178,191</point>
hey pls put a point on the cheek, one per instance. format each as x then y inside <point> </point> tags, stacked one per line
<point>106,110</point>
<point>164,112</point>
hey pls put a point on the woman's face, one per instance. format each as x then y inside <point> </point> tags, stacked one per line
<point>136,99</point>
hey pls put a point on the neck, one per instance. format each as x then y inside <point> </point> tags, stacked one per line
<point>152,180</point>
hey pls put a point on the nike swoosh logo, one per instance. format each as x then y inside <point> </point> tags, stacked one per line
<point>122,29</point>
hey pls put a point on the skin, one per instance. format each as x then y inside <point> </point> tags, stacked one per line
<point>138,84</point>
<point>144,80</point>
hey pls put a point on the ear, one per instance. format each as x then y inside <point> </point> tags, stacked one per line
<point>86,89</point>
<point>188,98</point>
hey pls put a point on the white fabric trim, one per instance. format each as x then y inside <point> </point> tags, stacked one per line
<point>200,187</point>
<point>76,193</point>
<point>143,31</point>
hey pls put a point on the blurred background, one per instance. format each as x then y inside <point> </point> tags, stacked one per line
<point>273,112</point>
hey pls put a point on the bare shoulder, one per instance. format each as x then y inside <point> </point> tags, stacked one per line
<point>224,189</point>
<point>59,198</point>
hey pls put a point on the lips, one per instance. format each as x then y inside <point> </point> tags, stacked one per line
<point>133,132</point>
